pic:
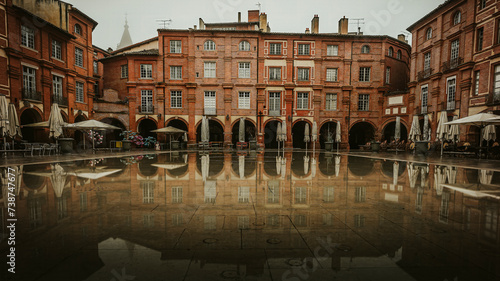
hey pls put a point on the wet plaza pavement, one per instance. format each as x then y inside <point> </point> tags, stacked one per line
<point>252,216</point>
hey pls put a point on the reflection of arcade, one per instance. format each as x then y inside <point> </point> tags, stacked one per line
<point>162,207</point>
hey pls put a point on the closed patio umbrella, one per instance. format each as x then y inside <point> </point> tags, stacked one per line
<point>283,132</point>
<point>338,135</point>
<point>489,133</point>
<point>397,131</point>
<point>14,129</point>
<point>439,179</point>
<point>426,130</point>
<point>241,166</point>
<point>314,134</point>
<point>485,176</point>
<point>279,134</point>
<point>205,165</point>
<point>58,179</point>
<point>56,122</point>
<point>414,130</point>
<point>442,129</point>
<point>412,175</point>
<point>395,173</point>
<point>4,118</point>
<point>241,132</point>
<point>278,165</point>
<point>337,165</point>
<point>451,174</point>
<point>313,167</point>
<point>454,131</point>
<point>307,138</point>
<point>306,165</point>
<point>283,167</point>
<point>205,130</point>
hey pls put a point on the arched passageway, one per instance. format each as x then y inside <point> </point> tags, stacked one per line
<point>270,134</point>
<point>249,131</point>
<point>327,133</point>
<point>389,132</point>
<point>216,131</point>
<point>31,134</point>
<point>360,134</point>
<point>298,133</point>
<point>145,127</point>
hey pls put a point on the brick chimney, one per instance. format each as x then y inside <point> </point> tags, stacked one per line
<point>307,30</point>
<point>402,38</point>
<point>263,22</point>
<point>239,16</point>
<point>315,24</point>
<point>253,15</point>
<point>343,26</point>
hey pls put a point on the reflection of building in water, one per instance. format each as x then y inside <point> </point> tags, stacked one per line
<point>391,212</point>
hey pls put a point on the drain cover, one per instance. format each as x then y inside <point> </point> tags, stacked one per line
<point>210,240</point>
<point>343,248</point>
<point>294,262</point>
<point>273,241</point>
<point>229,274</point>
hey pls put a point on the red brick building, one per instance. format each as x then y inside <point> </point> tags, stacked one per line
<point>227,71</point>
<point>455,63</point>
<point>51,59</point>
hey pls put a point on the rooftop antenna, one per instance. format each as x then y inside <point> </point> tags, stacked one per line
<point>165,23</point>
<point>258,5</point>
<point>358,22</point>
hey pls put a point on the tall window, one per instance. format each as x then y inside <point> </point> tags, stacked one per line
<point>365,49</point>
<point>209,69</point>
<point>147,71</point>
<point>331,102</point>
<point>274,103</point>
<point>177,194</point>
<point>450,93</point>
<point>427,61</point>
<point>496,85</point>
<point>364,74</point>
<point>476,82</point>
<point>275,48</point>
<point>124,71</point>
<point>482,4</point>
<point>29,81</point>
<point>364,102</point>
<point>480,33</point>
<point>428,33</point>
<point>148,192</point>
<point>210,103</point>
<point>176,99</point>
<point>331,74</point>
<point>78,57</point>
<point>455,45</point>
<point>391,52</point>
<point>96,67</point>
<point>302,100</point>
<point>209,45</point>
<point>27,37</point>
<point>332,50</point>
<point>244,46</point>
<point>304,49</point>
<point>175,46</point>
<point>424,98</point>
<point>147,101</point>
<point>57,87</point>
<point>398,54</point>
<point>244,70</point>
<point>388,75</point>
<point>275,73</point>
<point>56,50</point>
<point>457,17</point>
<point>303,74</point>
<point>79,91</point>
<point>176,72</point>
<point>244,100</point>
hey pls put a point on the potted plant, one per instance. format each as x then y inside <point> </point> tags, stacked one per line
<point>130,137</point>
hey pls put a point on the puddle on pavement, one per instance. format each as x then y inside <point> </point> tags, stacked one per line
<point>291,216</point>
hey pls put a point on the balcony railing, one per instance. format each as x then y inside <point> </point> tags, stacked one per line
<point>210,111</point>
<point>493,99</point>
<point>424,74</point>
<point>450,105</point>
<point>60,100</point>
<point>31,94</point>
<point>146,109</point>
<point>452,64</point>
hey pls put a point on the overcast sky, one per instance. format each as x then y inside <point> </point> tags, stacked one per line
<point>388,17</point>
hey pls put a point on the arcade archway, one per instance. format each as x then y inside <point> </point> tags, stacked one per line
<point>110,135</point>
<point>216,131</point>
<point>360,134</point>
<point>270,134</point>
<point>249,131</point>
<point>145,127</point>
<point>298,134</point>
<point>327,133</point>
<point>31,134</point>
<point>390,129</point>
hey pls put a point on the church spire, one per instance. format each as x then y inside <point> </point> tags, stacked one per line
<point>126,39</point>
